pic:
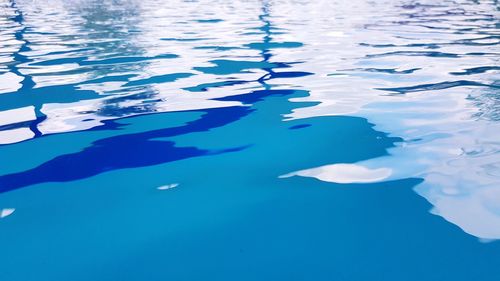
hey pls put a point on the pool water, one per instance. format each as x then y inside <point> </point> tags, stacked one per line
<point>249,140</point>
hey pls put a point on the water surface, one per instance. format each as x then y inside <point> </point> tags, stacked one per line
<point>249,140</point>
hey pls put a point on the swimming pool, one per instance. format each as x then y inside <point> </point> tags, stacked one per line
<point>249,140</point>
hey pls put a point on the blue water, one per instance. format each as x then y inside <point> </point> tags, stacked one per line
<point>249,140</point>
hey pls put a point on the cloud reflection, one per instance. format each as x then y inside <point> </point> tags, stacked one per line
<point>344,173</point>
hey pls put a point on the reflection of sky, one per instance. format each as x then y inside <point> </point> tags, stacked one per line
<point>76,51</point>
<point>456,153</point>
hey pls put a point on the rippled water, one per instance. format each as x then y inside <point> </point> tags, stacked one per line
<point>249,140</point>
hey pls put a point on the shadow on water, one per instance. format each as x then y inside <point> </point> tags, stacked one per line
<point>123,151</point>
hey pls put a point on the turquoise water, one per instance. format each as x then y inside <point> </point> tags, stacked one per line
<point>249,140</point>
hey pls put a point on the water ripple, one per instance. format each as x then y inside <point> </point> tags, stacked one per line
<point>278,109</point>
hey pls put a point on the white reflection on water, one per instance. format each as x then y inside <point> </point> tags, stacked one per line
<point>17,115</point>
<point>9,82</point>
<point>14,116</point>
<point>6,212</point>
<point>344,173</point>
<point>168,186</point>
<point>452,141</point>
<point>457,156</point>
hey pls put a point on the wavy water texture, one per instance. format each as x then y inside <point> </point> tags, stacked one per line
<point>261,139</point>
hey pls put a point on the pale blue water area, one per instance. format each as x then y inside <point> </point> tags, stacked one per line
<point>249,140</point>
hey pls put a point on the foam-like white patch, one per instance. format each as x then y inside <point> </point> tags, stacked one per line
<point>6,212</point>
<point>344,173</point>
<point>168,186</point>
